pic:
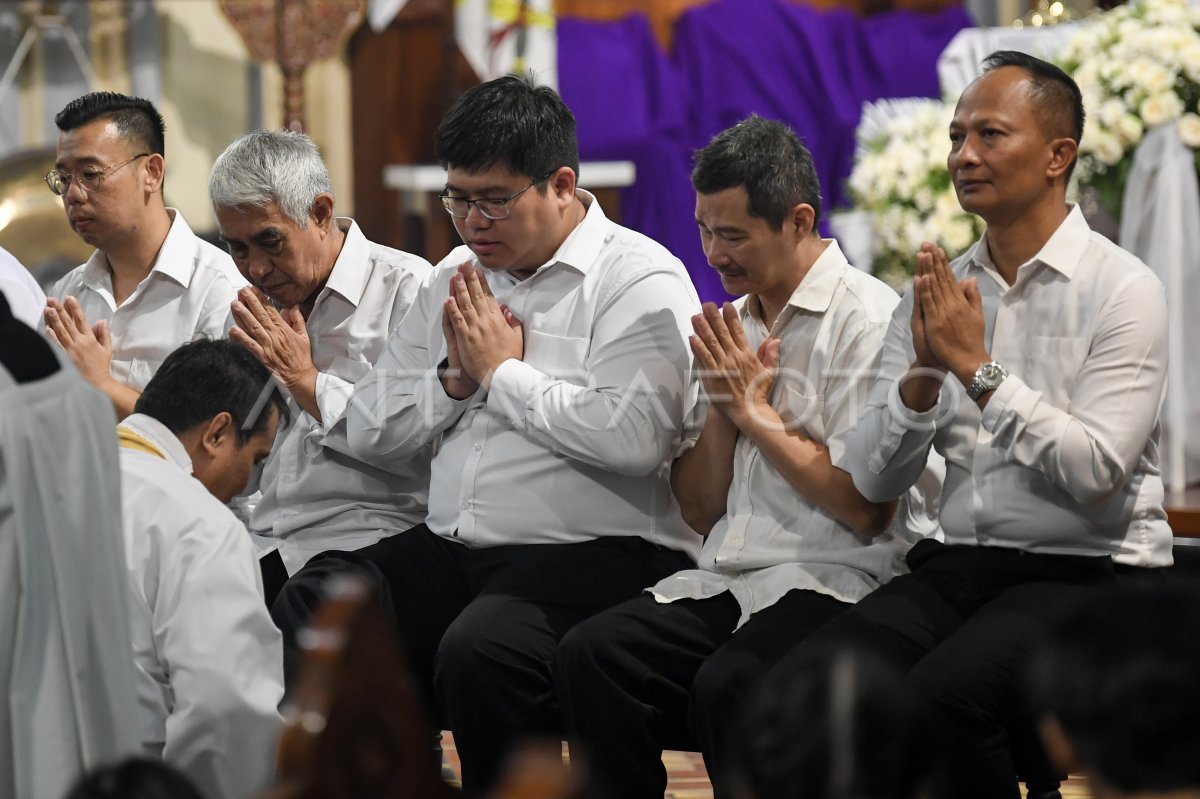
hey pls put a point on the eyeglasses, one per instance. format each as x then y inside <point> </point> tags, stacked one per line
<point>493,208</point>
<point>89,179</point>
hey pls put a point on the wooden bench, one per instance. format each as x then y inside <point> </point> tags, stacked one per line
<point>1183,512</point>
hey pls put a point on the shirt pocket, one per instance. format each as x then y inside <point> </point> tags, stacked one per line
<point>804,412</point>
<point>561,357</point>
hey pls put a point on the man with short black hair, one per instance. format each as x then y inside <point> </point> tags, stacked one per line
<point>1036,365</point>
<point>152,284</point>
<point>548,357</point>
<point>209,660</point>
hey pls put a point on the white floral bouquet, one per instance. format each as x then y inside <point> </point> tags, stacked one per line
<point>900,178</point>
<point>1138,66</point>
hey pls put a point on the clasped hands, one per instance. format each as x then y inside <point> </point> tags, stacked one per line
<point>947,318</point>
<point>737,378</point>
<point>278,338</point>
<point>480,332</point>
<point>88,346</point>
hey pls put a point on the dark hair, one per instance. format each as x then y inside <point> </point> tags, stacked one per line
<point>833,723</point>
<point>1055,94</point>
<point>138,120</point>
<point>134,778</point>
<point>203,378</point>
<point>1118,673</point>
<point>769,160</point>
<point>510,122</point>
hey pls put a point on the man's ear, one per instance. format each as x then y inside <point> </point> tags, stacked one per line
<point>322,212</point>
<point>155,172</point>
<point>218,433</point>
<point>803,216</point>
<point>1062,155</point>
<point>562,183</point>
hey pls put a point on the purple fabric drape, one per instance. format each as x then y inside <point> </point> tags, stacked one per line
<point>811,69</point>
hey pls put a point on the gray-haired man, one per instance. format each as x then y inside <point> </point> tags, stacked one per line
<point>323,301</point>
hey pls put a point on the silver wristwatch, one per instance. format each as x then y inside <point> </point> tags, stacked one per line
<point>988,377</point>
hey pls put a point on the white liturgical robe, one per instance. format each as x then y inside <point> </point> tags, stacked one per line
<point>65,671</point>
<point>209,659</point>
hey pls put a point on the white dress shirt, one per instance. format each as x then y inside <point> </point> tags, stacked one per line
<point>25,297</point>
<point>315,499</point>
<point>574,441</point>
<point>1064,457</point>
<point>771,540</point>
<point>67,695</point>
<point>210,661</point>
<point>185,296</point>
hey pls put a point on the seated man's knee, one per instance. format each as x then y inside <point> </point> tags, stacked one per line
<point>307,589</point>
<point>474,645</point>
<point>585,649</point>
<point>717,692</point>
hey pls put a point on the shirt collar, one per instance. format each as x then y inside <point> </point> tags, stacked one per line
<point>582,247</point>
<point>176,257</point>
<point>815,292</point>
<point>1061,252</point>
<point>157,433</point>
<point>351,270</point>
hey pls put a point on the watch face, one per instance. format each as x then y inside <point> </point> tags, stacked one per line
<point>992,372</point>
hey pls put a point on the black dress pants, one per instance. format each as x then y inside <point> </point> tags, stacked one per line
<point>645,676</point>
<point>480,626</point>
<point>962,626</point>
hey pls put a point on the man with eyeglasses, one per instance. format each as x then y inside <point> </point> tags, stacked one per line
<point>548,358</point>
<point>152,284</point>
<point>323,301</point>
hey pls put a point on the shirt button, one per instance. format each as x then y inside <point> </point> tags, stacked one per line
<point>478,447</point>
<point>466,504</point>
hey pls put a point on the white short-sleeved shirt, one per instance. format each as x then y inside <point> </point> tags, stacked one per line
<point>573,442</point>
<point>315,499</point>
<point>771,540</point>
<point>209,658</point>
<point>185,296</point>
<point>1064,457</point>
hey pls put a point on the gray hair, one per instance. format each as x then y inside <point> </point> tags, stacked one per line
<point>270,166</point>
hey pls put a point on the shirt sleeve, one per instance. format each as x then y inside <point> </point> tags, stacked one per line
<point>885,452</point>
<point>225,661</point>
<point>851,371</point>
<point>628,415</point>
<point>333,393</point>
<point>1090,448</point>
<point>400,406</point>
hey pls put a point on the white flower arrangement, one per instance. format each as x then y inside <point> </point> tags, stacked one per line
<point>900,177</point>
<point>1137,66</point>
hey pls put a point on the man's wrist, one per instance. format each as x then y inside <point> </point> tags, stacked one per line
<point>966,369</point>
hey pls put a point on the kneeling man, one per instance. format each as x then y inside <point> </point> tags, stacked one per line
<point>209,660</point>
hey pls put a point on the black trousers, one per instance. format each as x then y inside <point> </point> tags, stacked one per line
<point>644,676</point>
<point>480,626</point>
<point>962,626</point>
